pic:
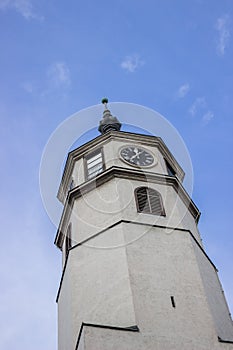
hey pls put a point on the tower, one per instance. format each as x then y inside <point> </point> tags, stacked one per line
<point>135,273</point>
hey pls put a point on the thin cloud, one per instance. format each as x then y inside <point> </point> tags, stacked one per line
<point>59,75</point>
<point>199,103</point>
<point>24,7</point>
<point>132,63</point>
<point>57,78</point>
<point>183,90</point>
<point>222,26</point>
<point>207,117</point>
<point>199,107</point>
<point>28,87</point>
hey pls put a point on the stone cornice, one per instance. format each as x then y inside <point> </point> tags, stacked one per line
<point>126,173</point>
<point>225,341</point>
<point>145,140</point>
<point>133,328</point>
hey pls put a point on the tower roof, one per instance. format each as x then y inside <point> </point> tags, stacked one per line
<point>108,122</point>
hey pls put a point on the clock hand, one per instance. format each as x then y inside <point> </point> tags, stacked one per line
<point>133,157</point>
<point>136,155</point>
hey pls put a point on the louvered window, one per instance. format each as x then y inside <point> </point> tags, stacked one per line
<point>149,201</point>
<point>94,164</point>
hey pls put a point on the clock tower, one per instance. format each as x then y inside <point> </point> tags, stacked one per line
<point>135,273</point>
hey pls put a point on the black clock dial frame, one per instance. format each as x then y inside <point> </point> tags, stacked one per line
<point>137,156</point>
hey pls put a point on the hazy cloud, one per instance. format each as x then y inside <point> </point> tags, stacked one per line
<point>28,87</point>
<point>200,102</point>
<point>222,26</point>
<point>199,107</point>
<point>183,90</point>
<point>24,7</point>
<point>207,117</point>
<point>131,63</point>
<point>59,75</point>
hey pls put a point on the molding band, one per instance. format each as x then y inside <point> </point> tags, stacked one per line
<point>125,329</point>
<point>134,223</point>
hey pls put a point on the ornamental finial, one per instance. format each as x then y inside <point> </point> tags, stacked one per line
<point>108,122</point>
<point>105,102</point>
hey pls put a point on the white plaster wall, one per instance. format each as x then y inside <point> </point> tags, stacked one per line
<point>78,172</point>
<point>115,200</point>
<point>111,154</point>
<point>215,297</point>
<point>132,285</point>
<point>95,211</point>
<point>63,253</point>
<point>177,214</point>
<point>163,265</point>
<point>65,324</point>
<point>81,345</point>
<point>96,286</point>
<point>108,339</point>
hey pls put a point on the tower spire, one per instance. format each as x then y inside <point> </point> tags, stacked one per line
<point>108,122</point>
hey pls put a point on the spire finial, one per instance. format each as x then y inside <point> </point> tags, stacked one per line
<point>108,122</point>
<point>105,102</point>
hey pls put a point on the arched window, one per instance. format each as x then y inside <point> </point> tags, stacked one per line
<point>149,201</point>
<point>68,242</point>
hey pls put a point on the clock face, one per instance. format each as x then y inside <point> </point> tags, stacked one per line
<point>137,156</point>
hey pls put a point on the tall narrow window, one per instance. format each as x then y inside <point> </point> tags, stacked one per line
<point>149,201</point>
<point>94,164</point>
<point>68,242</point>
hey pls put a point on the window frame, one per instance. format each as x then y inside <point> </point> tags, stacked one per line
<point>89,156</point>
<point>68,239</point>
<point>71,184</point>
<point>170,169</point>
<point>162,211</point>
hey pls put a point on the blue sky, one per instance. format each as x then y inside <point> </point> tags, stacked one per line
<point>60,57</point>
